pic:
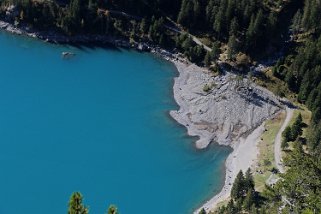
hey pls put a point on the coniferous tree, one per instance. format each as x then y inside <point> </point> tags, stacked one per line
<point>249,181</point>
<point>238,186</point>
<point>216,51</point>
<point>234,27</point>
<point>232,45</point>
<point>112,209</point>
<point>296,129</point>
<point>143,26</point>
<point>76,205</point>
<point>249,200</point>
<point>218,24</point>
<point>185,14</point>
<point>250,34</point>
<point>296,22</point>
<point>207,59</point>
<point>287,136</point>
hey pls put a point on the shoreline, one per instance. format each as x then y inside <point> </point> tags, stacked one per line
<point>54,37</point>
<point>234,163</point>
<point>241,146</point>
<point>245,146</point>
<point>203,136</point>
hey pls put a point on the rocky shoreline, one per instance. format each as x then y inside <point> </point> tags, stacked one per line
<point>99,40</point>
<point>220,109</point>
<point>58,38</point>
<point>225,109</point>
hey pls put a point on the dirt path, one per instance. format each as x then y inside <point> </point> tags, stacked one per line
<point>180,30</point>
<point>278,140</point>
<point>200,43</point>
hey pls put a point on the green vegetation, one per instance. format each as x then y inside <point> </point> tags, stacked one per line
<point>208,87</point>
<point>266,161</point>
<point>243,195</point>
<point>246,25</point>
<point>192,51</point>
<point>202,211</point>
<point>249,26</point>
<point>300,185</point>
<point>291,133</point>
<point>76,206</point>
<point>112,210</point>
<point>243,30</point>
<point>299,189</point>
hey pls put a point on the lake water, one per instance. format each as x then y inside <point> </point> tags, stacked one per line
<point>97,123</point>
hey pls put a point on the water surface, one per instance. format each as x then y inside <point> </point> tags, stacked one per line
<point>97,123</point>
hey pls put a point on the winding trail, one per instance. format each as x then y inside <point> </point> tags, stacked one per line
<point>278,140</point>
<point>180,30</point>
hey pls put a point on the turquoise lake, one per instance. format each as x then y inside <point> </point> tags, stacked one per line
<point>97,123</point>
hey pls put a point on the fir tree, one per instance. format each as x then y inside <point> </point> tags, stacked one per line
<point>76,205</point>
<point>287,136</point>
<point>249,181</point>
<point>249,200</point>
<point>238,186</point>
<point>296,129</point>
<point>112,209</point>
<point>143,26</point>
<point>232,45</point>
<point>296,22</point>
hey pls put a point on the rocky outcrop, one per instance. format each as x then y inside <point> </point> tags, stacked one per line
<point>222,108</point>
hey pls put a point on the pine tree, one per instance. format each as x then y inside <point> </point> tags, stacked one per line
<point>234,27</point>
<point>143,26</point>
<point>216,51</point>
<point>232,47</point>
<point>250,33</point>
<point>249,200</point>
<point>76,205</point>
<point>196,13</point>
<point>306,14</point>
<point>112,209</point>
<point>207,59</point>
<point>238,186</point>
<point>231,207</point>
<point>296,129</point>
<point>186,13</point>
<point>258,23</point>
<point>249,181</point>
<point>271,26</point>
<point>287,136</point>
<point>229,11</point>
<point>296,22</point>
<point>291,81</point>
<point>218,23</point>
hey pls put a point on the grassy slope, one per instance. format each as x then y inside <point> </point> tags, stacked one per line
<point>266,147</point>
